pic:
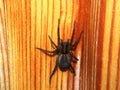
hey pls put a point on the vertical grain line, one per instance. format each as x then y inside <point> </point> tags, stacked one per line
<point>16,39</point>
<point>100,43</point>
<point>96,42</point>
<point>95,39</point>
<point>43,44</point>
<point>2,80</point>
<point>13,46</point>
<point>110,46</point>
<point>21,45</point>
<point>24,45</point>
<point>28,47</point>
<point>46,45</point>
<point>92,25</point>
<point>35,43</point>
<point>2,67</point>
<point>6,30</point>
<point>40,42</point>
<point>52,36</point>
<point>118,69</point>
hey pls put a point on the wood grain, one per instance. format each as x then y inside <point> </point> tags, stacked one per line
<point>25,26</point>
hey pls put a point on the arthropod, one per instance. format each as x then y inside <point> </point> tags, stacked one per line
<point>64,51</point>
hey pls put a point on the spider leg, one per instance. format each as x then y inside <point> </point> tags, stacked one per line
<point>74,56</point>
<point>72,69</point>
<point>58,32</point>
<point>55,68</point>
<point>53,44</point>
<point>50,53</point>
<point>77,41</point>
<point>71,40</point>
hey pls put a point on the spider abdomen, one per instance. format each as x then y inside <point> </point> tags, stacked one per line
<point>63,61</point>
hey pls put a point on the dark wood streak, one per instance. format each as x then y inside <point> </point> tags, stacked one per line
<point>100,44</point>
<point>118,70</point>
<point>110,46</point>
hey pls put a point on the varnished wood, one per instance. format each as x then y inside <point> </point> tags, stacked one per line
<point>25,26</point>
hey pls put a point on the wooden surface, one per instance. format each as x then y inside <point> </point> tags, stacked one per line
<point>26,24</point>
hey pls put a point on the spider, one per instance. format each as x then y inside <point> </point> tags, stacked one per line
<point>64,50</point>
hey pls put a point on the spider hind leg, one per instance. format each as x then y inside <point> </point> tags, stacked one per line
<point>55,68</point>
<point>72,69</point>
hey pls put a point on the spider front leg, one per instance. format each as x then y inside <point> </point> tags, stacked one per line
<point>77,41</point>
<point>53,44</point>
<point>71,40</point>
<point>50,53</point>
<point>58,32</point>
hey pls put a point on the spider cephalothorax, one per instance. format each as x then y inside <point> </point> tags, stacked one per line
<point>64,52</point>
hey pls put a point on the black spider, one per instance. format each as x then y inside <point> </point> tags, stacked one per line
<point>64,52</point>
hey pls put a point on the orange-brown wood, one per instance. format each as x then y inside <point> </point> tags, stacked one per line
<point>25,26</point>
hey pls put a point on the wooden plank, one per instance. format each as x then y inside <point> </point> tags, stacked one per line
<point>4,64</point>
<point>25,26</point>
